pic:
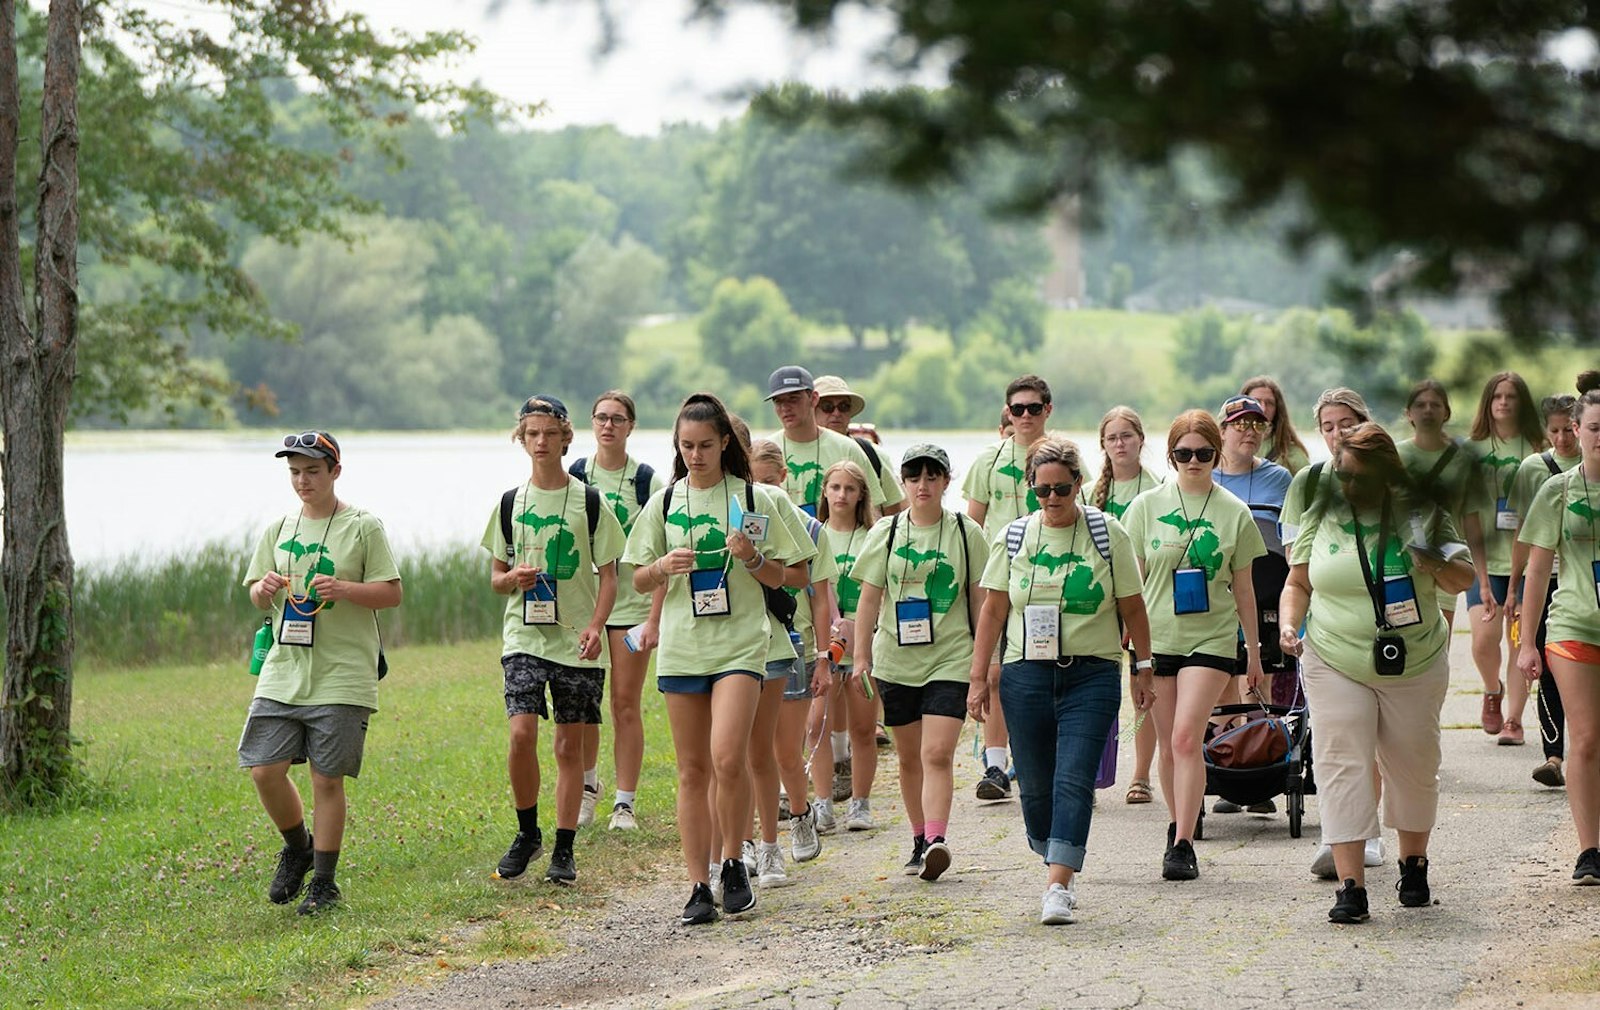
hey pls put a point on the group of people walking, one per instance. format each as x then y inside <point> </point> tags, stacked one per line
<point>798,590</point>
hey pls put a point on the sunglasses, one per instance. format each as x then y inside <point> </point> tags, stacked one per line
<point>1043,491</point>
<point>1204,454</point>
<point>1018,409</point>
<point>616,420</point>
<point>311,440</point>
<point>1255,427</point>
<point>833,406</point>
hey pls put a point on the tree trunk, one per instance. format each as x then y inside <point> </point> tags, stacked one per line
<point>37,366</point>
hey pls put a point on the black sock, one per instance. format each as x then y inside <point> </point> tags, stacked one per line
<point>296,837</point>
<point>323,864</point>
<point>528,819</point>
<point>565,838</point>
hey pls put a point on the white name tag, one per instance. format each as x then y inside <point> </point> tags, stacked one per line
<point>299,623</point>
<point>913,622</point>
<point>1505,517</point>
<point>1400,602</point>
<point>1041,628</point>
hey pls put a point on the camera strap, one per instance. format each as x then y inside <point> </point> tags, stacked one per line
<point>1374,586</point>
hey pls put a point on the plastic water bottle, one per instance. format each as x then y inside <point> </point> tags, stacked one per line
<point>263,645</point>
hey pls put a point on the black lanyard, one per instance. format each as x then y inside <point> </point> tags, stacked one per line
<point>1186,521</point>
<point>1374,588</point>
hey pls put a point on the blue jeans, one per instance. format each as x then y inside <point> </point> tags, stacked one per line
<point>1059,717</point>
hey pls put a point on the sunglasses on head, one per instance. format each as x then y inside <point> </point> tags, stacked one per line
<point>1018,409</point>
<point>1043,491</point>
<point>311,440</point>
<point>832,406</point>
<point>1204,454</point>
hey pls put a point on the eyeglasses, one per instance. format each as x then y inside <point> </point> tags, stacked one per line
<point>1126,436</point>
<point>311,440</point>
<point>1204,454</point>
<point>1254,427</point>
<point>1043,491</point>
<point>1018,409</point>
<point>616,420</point>
<point>833,406</point>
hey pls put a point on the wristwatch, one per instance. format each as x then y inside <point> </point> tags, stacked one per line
<point>1144,664</point>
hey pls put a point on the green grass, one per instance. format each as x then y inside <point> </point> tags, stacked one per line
<point>154,894</point>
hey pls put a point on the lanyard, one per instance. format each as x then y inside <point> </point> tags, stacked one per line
<point>911,546</point>
<point>1190,523</point>
<point>322,552</point>
<point>517,536</point>
<point>1374,590</point>
<point>727,516</point>
<point>1038,545</point>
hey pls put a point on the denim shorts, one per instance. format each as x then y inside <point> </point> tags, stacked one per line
<point>699,683</point>
<point>798,686</point>
<point>1498,585</point>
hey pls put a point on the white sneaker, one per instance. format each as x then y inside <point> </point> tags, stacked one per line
<point>622,818</point>
<point>804,844</point>
<point>769,857</point>
<point>591,796</point>
<point>826,824</point>
<point>1373,856</point>
<point>1058,905</point>
<point>747,849</point>
<point>1322,866</point>
<point>860,816</point>
<point>716,883</point>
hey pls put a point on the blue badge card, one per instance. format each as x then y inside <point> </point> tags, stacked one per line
<point>913,622</point>
<point>539,602</point>
<point>299,624</point>
<point>1189,592</point>
<point>752,524</point>
<point>708,592</point>
<point>1400,602</point>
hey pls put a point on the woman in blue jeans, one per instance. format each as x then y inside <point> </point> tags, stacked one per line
<point>1062,582</point>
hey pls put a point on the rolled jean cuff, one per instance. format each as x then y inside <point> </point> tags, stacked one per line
<point>1058,853</point>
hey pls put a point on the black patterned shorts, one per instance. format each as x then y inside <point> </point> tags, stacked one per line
<point>576,691</point>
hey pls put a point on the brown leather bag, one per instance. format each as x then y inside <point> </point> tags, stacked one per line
<point>1263,740</point>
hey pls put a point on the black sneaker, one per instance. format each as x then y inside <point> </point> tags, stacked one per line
<point>995,784</point>
<point>1349,904</point>
<point>935,859</point>
<point>321,895</point>
<point>1588,869</point>
<point>1180,862</point>
<point>524,849</point>
<point>701,909</point>
<point>1172,836</point>
<point>293,865</point>
<point>738,896</point>
<point>919,846</point>
<point>563,868</point>
<point>1413,882</point>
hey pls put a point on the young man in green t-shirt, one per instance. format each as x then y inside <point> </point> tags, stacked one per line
<point>322,571</point>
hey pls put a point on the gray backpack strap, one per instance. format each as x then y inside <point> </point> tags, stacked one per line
<point>1015,530</point>
<point>1097,530</point>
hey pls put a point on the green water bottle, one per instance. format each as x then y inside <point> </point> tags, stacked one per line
<point>263,645</point>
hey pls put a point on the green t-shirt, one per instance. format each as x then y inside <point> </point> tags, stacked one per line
<point>617,489</point>
<point>1123,492</point>
<point>697,646</point>
<point>1294,460</point>
<point>1456,488</point>
<point>1562,518</point>
<point>1340,624</point>
<point>1531,476</point>
<point>999,479</point>
<point>550,530</point>
<point>1214,532</point>
<point>808,462</point>
<point>844,548</point>
<point>341,667</point>
<point>1061,564</point>
<point>1499,462</point>
<point>925,562</point>
<point>823,570</point>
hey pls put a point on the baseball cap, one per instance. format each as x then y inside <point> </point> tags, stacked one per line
<point>832,386</point>
<point>539,403</point>
<point>1236,407</point>
<point>788,379</point>
<point>315,444</point>
<point>926,450</point>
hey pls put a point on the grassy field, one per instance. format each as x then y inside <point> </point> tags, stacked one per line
<point>152,892</point>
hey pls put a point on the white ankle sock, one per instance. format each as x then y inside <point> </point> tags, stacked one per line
<point>592,777</point>
<point>625,796</point>
<point>995,757</point>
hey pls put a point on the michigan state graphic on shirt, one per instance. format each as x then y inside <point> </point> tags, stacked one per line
<point>1205,549</point>
<point>846,590</point>
<point>619,509</point>
<point>809,474</point>
<point>938,582</point>
<point>1396,560</point>
<point>552,535</point>
<point>1019,478</point>
<point>1081,593</point>
<point>323,565</point>
<point>710,544</point>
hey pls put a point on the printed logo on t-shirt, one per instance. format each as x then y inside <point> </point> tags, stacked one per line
<point>938,584</point>
<point>809,473</point>
<point>710,544</point>
<point>619,507</point>
<point>559,545</point>
<point>1508,463</point>
<point>1081,593</point>
<point>323,565</point>
<point>1396,560</point>
<point>847,590</point>
<point>1205,550</point>
<point>1019,478</point>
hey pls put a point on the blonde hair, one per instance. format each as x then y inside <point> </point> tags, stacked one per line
<point>764,451</point>
<point>1102,486</point>
<point>865,515</point>
<point>520,431</point>
<point>1054,449</point>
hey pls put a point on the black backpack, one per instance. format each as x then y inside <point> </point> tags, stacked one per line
<point>643,475</point>
<point>779,603</point>
<point>966,559</point>
<point>871,453</point>
<point>591,508</point>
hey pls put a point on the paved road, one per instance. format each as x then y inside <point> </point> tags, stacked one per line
<point>1252,932</point>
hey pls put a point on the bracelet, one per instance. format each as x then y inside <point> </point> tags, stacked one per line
<point>760,559</point>
<point>1144,664</point>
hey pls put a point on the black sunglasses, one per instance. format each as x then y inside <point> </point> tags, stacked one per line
<point>1018,409</point>
<point>1043,491</point>
<point>1204,454</point>
<point>311,440</point>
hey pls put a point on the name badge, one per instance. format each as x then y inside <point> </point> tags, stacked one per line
<point>913,622</point>
<point>1594,572</point>
<point>754,527</point>
<point>1041,630</point>
<point>299,624</point>
<point>539,601</point>
<point>1505,517</point>
<point>708,592</point>
<point>1189,592</point>
<point>1400,602</point>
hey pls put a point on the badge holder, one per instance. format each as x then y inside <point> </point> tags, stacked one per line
<point>1505,517</point>
<point>1400,608</point>
<point>539,602</point>
<point>913,622</point>
<point>1041,632</point>
<point>708,592</point>
<point>1594,572</point>
<point>1189,592</point>
<point>299,624</point>
<point>752,524</point>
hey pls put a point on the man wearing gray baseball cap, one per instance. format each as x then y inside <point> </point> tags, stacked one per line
<point>808,449</point>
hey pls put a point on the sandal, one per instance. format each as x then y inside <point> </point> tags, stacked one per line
<point>1138,792</point>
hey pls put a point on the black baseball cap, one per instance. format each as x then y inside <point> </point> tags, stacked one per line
<point>539,403</point>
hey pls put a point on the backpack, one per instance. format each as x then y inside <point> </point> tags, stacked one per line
<point>966,559</point>
<point>1097,532</point>
<point>643,475</point>
<point>1550,461</point>
<point>779,603</point>
<point>591,508</point>
<point>871,452</point>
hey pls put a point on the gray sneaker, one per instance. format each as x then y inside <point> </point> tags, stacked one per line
<point>747,850</point>
<point>591,796</point>
<point>769,858</point>
<point>841,780</point>
<point>1059,905</point>
<point>804,844</point>
<point>826,823</point>
<point>860,816</point>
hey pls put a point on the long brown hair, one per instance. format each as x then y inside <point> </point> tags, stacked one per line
<point>707,409</point>
<point>866,515</point>
<point>1284,437</point>
<point>1529,426</point>
<point>1102,486</point>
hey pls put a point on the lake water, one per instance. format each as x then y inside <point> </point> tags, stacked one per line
<point>149,495</point>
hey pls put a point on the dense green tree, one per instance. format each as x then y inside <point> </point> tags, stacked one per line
<point>750,328</point>
<point>599,292</point>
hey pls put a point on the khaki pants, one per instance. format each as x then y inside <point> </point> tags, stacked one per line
<point>1393,723</point>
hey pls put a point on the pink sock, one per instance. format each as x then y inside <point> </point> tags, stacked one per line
<point>936,829</point>
<point>916,831</point>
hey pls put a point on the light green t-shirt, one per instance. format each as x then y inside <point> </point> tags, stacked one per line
<point>1340,624</point>
<point>1294,460</point>
<point>924,562</point>
<point>998,478</point>
<point>1455,487</point>
<point>1061,564</point>
<point>617,487</point>
<point>1123,492</point>
<point>823,570</point>
<point>1563,518</point>
<point>844,548</point>
<point>699,519</point>
<point>1214,532</point>
<point>341,667</point>
<point>807,462</point>
<point>1531,476</point>
<point>1498,472</point>
<point>550,531</point>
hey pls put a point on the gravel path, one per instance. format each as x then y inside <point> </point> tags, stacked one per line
<point>1506,927</point>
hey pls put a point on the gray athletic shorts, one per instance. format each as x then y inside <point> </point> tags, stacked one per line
<point>332,737</point>
<point>575,691</point>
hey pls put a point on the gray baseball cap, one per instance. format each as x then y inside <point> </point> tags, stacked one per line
<point>789,379</point>
<point>926,450</point>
